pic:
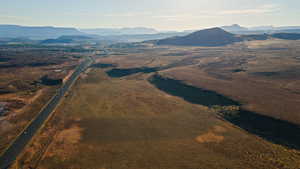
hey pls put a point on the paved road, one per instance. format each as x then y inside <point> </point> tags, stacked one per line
<point>10,155</point>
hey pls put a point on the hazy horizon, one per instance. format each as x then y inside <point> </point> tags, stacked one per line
<point>158,14</point>
<point>160,30</point>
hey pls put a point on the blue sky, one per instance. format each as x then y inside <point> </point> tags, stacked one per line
<point>159,14</point>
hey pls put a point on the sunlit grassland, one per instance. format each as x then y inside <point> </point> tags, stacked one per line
<point>128,123</point>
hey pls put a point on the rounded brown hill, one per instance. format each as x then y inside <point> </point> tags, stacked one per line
<point>206,37</point>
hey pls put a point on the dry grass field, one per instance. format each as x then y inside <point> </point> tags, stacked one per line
<point>127,123</point>
<point>262,75</point>
<point>178,108</point>
<point>22,92</point>
<point>266,80</point>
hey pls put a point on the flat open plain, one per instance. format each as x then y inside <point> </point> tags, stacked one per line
<point>134,122</point>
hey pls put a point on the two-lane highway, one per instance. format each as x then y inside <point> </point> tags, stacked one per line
<point>10,155</point>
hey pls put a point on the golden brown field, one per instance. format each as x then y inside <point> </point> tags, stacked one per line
<point>263,75</point>
<point>22,93</point>
<point>152,118</point>
<point>128,123</point>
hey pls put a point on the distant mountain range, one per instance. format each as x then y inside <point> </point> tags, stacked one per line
<point>68,39</point>
<point>53,35</point>
<point>237,29</point>
<point>107,39</point>
<point>234,28</point>
<point>16,31</point>
<point>120,31</point>
<point>287,36</point>
<point>220,37</point>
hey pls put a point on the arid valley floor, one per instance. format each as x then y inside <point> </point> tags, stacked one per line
<point>166,107</point>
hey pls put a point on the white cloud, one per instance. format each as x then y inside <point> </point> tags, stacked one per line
<point>263,9</point>
<point>9,17</point>
<point>128,14</point>
<point>184,17</point>
<point>120,15</point>
<point>97,14</point>
<point>14,18</point>
<point>268,8</point>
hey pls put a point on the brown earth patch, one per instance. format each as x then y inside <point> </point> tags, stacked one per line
<point>219,129</point>
<point>213,135</point>
<point>28,101</point>
<point>71,135</point>
<point>64,144</point>
<point>209,137</point>
<point>5,126</point>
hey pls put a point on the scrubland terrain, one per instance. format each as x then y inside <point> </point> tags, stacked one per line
<point>128,123</point>
<point>263,75</point>
<point>29,77</point>
<point>179,107</point>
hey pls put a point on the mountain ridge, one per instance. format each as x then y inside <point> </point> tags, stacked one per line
<point>206,37</point>
<point>36,32</point>
<point>120,31</point>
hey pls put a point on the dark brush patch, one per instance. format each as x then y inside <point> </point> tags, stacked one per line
<point>190,93</point>
<point>275,130</point>
<point>103,65</point>
<point>126,72</point>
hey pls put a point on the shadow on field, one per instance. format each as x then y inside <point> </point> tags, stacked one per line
<point>191,94</point>
<point>103,65</point>
<point>130,71</point>
<point>274,130</point>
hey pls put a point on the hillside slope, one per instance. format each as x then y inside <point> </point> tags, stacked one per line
<point>206,37</point>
